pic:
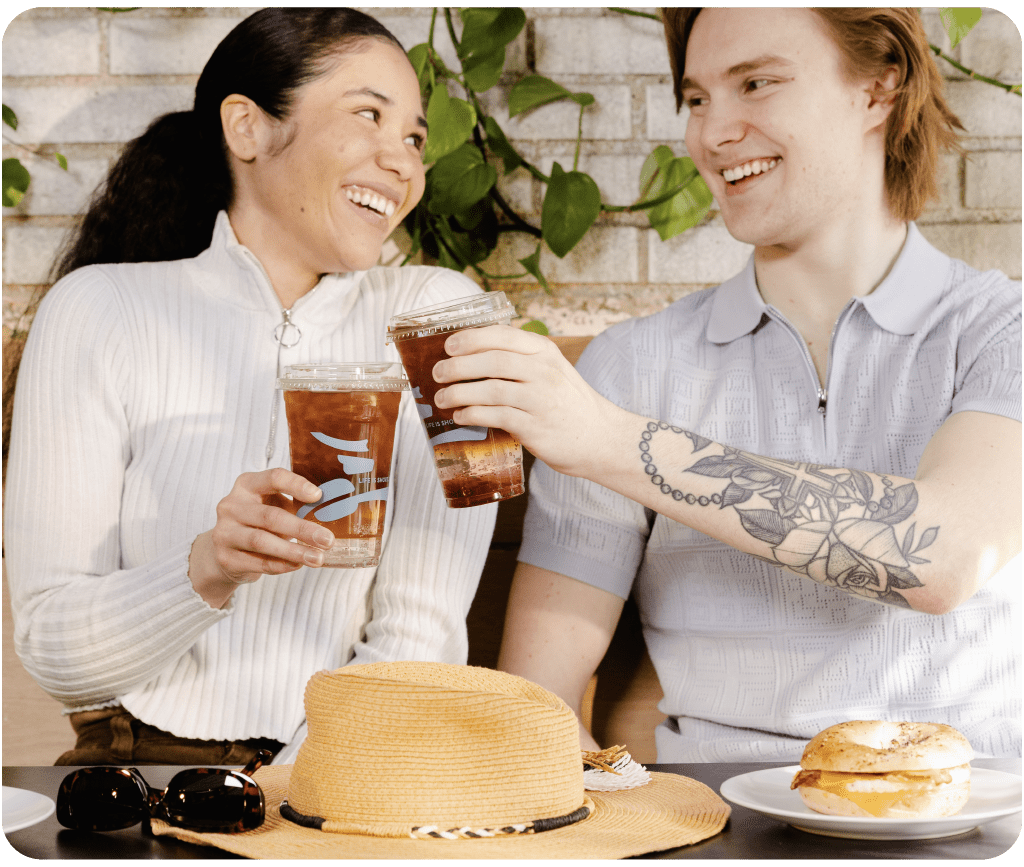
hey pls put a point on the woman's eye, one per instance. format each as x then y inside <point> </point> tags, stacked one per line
<point>694,101</point>
<point>415,140</point>
<point>757,83</point>
<point>370,113</point>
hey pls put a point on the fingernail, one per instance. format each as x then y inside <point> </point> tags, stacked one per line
<point>313,558</point>
<point>439,397</point>
<point>323,538</point>
<point>451,344</point>
<point>311,490</point>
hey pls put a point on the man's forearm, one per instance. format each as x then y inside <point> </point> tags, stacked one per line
<point>872,535</point>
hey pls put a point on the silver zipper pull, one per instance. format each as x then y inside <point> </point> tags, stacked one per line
<point>283,336</point>
<point>822,400</point>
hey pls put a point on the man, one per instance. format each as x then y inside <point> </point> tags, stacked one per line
<point>809,475</point>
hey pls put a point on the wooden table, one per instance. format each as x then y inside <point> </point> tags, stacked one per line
<point>748,834</point>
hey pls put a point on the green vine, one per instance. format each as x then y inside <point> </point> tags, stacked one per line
<point>463,213</point>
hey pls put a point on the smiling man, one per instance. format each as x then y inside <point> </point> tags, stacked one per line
<point>809,475</point>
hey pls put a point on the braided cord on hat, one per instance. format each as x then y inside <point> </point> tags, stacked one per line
<point>425,832</point>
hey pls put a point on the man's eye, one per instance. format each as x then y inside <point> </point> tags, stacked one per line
<point>694,101</point>
<point>757,83</point>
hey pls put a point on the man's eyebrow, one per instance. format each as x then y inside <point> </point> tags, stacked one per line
<point>747,66</point>
<point>387,100</point>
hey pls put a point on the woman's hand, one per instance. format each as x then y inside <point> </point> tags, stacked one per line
<point>253,535</point>
<point>520,382</point>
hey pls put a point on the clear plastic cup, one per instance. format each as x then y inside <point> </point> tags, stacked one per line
<point>475,465</point>
<point>341,431</point>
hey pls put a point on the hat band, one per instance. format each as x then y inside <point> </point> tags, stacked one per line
<point>428,832</point>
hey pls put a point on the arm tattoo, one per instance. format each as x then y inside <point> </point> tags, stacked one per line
<point>828,524</point>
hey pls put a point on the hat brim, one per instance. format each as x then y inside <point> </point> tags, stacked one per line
<point>668,812</point>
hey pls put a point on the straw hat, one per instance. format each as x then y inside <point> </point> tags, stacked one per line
<point>426,760</point>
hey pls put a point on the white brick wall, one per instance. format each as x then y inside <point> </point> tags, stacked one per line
<point>83,81</point>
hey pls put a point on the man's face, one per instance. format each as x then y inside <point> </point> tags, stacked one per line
<point>786,143</point>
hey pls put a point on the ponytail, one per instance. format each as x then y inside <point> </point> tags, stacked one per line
<point>160,200</point>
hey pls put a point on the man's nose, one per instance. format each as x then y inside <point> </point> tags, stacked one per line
<point>722,123</point>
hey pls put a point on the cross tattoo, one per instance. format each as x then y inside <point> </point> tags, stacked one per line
<point>795,478</point>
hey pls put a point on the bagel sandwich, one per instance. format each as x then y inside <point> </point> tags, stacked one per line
<point>902,770</point>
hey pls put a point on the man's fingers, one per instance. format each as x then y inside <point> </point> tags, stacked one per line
<point>471,340</point>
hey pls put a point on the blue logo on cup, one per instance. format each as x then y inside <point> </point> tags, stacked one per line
<point>329,507</point>
<point>453,433</point>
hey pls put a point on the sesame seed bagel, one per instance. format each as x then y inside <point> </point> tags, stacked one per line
<point>886,769</point>
<point>874,747</point>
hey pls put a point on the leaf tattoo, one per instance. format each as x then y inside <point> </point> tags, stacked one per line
<point>833,525</point>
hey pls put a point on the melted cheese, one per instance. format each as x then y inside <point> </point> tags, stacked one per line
<point>875,793</point>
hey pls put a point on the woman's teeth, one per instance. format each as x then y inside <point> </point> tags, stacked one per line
<point>754,167</point>
<point>371,200</point>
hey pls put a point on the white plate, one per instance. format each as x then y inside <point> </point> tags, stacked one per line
<point>23,808</point>
<point>994,794</point>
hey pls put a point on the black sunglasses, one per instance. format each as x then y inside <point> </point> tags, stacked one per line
<point>200,799</point>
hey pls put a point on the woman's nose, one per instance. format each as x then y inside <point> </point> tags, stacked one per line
<point>399,158</point>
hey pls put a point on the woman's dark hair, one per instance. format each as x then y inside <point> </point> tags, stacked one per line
<point>161,198</point>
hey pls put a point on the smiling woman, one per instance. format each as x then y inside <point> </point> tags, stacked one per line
<point>183,604</point>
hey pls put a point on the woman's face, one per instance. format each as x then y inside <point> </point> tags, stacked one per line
<point>346,168</point>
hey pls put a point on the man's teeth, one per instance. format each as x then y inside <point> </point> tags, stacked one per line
<point>754,167</point>
<point>371,200</point>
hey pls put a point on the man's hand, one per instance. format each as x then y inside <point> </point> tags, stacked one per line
<point>518,381</point>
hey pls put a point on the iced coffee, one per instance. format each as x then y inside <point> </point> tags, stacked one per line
<point>475,465</point>
<point>341,430</point>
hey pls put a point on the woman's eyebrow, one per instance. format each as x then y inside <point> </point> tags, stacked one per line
<point>387,100</point>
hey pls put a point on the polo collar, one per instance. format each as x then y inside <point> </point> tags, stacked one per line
<point>900,304</point>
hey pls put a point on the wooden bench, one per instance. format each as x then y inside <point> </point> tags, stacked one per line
<point>622,698</point>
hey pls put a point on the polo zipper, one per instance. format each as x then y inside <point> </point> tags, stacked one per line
<point>287,334</point>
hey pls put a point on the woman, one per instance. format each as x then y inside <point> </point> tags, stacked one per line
<point>162,590</point>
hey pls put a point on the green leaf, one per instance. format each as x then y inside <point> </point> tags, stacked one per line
<point>571,205</point>
<point>532,264</point>
<point>15,182</point>
<point>486,29</point>
<point>662,155</point>
<point>459,180</point>
<point>663,172</point>
<point>62,161</point>
<point>10,118</point>
<point>419,58</point>
<point>500,146</point>
<point>534,91</point>
<point>485,34</point>
<point>958,22</point>
<point>536,326</point>
<point>451,120</point>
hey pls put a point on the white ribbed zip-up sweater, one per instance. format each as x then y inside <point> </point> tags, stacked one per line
<point>144,391</point>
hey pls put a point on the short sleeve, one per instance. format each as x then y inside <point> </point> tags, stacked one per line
<point>576,527</point>
<point>989,353</point>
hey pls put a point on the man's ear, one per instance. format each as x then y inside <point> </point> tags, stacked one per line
<point>242,121</point>
<point>881,96</point>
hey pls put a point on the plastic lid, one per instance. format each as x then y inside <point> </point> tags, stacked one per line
<point>345,376</point>
<point>474,310</point>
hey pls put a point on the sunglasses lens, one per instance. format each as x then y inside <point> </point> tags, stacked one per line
<point>102,799</point>
<point>208,800</point>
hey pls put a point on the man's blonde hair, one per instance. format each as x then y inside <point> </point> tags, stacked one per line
<point>874,41</point>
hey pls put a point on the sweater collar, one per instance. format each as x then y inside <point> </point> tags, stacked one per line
<point>234,274</point>
<point>900,303</point>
